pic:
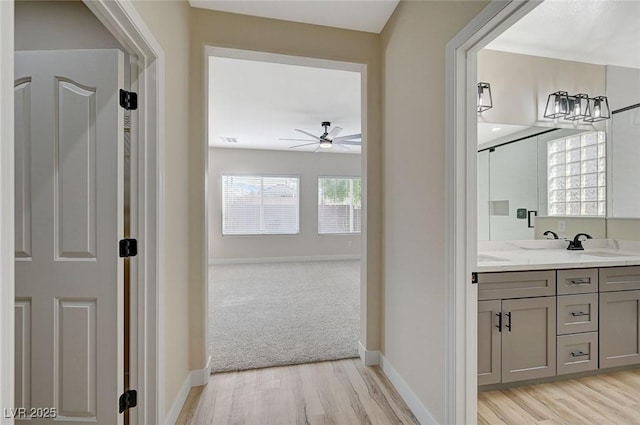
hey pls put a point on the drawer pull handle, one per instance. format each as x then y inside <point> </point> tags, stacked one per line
<point>499,325</point>
<point>508,325</point>
<point>579,354</point>
<point>579,313</point>
<point>581,281</point>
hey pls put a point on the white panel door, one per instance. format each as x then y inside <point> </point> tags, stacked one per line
<point>69,219</point>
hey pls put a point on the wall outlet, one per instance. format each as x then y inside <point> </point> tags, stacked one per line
<point>562,226</point>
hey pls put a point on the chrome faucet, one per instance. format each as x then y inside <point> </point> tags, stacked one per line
<point>576,243</point>
<point>550,232</point>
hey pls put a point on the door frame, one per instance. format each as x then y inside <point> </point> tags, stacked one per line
<point>147,213</point>
<point>461,389</point>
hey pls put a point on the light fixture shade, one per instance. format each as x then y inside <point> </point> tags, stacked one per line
<point>484,97</point>
<point>557,105</point>
<point>598,109</point>
<point>578,107</point>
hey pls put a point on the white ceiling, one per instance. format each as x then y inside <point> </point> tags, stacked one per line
<point>359,15</point>
<point>257,103</point>
<point>603,32</point>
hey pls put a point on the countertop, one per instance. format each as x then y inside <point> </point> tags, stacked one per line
<point>501,256</point>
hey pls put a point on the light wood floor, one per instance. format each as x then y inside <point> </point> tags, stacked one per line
<point>600,400</point>
<point>342,392</point>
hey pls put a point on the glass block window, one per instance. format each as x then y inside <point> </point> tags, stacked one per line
<point>576,172</point>
<point>339,205</point>
<point>260,205</point>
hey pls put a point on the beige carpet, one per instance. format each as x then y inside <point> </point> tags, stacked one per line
<point>275,314</point>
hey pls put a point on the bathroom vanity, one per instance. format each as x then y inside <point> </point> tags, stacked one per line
<point>544,311</point>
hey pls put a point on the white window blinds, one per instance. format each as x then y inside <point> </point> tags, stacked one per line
<point>260,205</point>
<point>339,205</point>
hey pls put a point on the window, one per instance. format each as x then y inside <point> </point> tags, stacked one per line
<point>260,205</point>
<point>339,205</point>
<point>576,175</point>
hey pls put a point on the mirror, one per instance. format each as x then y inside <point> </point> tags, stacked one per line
<point>625,163</point>
<point>528,177</point>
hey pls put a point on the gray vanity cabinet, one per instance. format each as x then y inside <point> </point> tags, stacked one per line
<point>516,335</point>
<point>529,341</point>
<point>516,339</point>
<point>619,328</point>
<point>489,342</point>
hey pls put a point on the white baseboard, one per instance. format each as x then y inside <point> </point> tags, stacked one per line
<point>369,357</point>
<point>195,378</point>
<point>176,407</point>
<point>215,262</point>
<point>419,410</point>
<point>201,376</point>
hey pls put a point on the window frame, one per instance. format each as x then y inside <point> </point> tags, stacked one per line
<point>262,176</point>
<point>352,177</point>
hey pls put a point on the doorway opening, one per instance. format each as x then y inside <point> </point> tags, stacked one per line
<point>285,209</point>
<point>568,353</point>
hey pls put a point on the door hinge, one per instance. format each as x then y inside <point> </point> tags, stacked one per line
<point>128,100</point>
<point>128,247</point>
<point>128,399</point>
<point>474,277</point>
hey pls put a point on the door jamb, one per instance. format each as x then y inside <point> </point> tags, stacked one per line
<point>127,26</point>
<point>7,233</point>
<point>461,392</point>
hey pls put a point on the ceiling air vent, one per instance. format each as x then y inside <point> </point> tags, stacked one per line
<point>229,139</point>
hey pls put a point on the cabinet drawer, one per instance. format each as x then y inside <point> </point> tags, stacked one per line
<point>577,313</point>
<point>619,278</point>
<point>493,286</point>
<point>577,281</point>
<point>577,353</point>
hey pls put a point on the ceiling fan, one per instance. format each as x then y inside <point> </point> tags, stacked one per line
<point>328,139</point>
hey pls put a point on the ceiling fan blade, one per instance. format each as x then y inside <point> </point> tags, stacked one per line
<point>341,146</point>
<point>352,136</point>
<point>305,144</point>
<point>349,142</point>
<point>334,132</point>
<point>308,134</point>
<point>299,140</point>
<point>316,149</point>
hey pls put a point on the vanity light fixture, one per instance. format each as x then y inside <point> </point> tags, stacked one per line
<point>578,107</point>
<point>484,97</point>
<point>598,109</point>
<point>557,105</point>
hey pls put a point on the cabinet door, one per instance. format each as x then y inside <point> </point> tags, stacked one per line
<point>488,342</point>
<point>619,328</point>
<point>528,338</point>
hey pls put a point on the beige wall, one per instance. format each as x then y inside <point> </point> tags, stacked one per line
<point>594,226</point>
<point>413,44</point>
<point>267,35</point>
<point>623,229</point>
<point>169,23</point>
<point>308,167</point>
<point>521,84</point>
